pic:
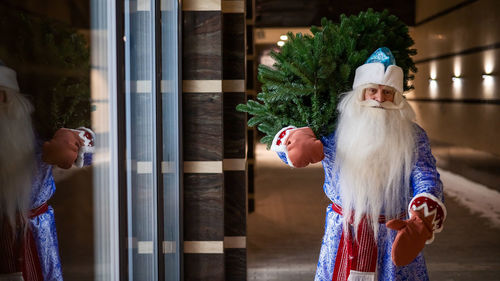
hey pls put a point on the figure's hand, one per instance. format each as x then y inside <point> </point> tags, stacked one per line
<point>62,149</point>
<point>303,147</point>
<point>411,237</point>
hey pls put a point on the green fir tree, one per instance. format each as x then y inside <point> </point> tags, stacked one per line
<point>52,61</point>
<point>303,86</point>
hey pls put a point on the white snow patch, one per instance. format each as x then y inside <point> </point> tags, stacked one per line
<point>478,198</point>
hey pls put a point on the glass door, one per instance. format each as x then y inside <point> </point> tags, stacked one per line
<point>171,148</point>
<point>152,132</point>
<point>138,41</point>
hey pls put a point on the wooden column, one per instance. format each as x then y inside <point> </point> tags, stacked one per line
<point>233,87</point>
<point>213,72</point>
<point>203,140</point>
<point>251,69</point>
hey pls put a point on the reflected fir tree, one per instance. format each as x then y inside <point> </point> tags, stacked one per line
<point>52,63</point>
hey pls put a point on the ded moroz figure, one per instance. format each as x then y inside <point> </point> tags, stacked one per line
<point>380,175</point>
<point>28,239</point>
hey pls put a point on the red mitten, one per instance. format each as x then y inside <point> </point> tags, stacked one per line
<point>303,147</point>
<point>411,237</point>
<point>62,149</point>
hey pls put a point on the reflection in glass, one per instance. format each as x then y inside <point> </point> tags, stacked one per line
<point>152,143</point>
<point>140,110</point>
<point>170,122</point>
<point>104,123</point>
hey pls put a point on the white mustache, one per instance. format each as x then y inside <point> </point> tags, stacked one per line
<point>376,104</point>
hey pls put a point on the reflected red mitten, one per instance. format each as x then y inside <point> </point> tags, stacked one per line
<point>303,147</point>
<point>62,149</point>
<point>411,237</point>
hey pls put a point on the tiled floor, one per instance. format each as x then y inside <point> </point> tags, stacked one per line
<point>285,231</point>
<point>478,166</point>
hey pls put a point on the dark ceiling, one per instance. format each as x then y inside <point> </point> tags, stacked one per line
<point>299,13</point>
<point>76,13</point>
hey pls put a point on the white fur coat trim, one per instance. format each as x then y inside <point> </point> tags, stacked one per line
<point>279,141</point>
<point>355,275</point>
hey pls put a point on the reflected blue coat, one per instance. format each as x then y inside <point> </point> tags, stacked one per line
<point>424,179</point>
<point>44,226</point>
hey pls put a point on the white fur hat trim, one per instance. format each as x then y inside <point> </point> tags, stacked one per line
<point>8,78</point>
<point>375,73</point>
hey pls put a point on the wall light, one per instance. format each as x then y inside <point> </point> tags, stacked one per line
<point>266,58</point>
<point>433,70</point>
<point>283,37</point>
<point>433,88</point>
<point>281,43</point>
<point>488,85</point>
<point>488,79</point>
<point>457,86</point>
<point>488,67</point>
<point>489,62</point>
<point>457,66</point>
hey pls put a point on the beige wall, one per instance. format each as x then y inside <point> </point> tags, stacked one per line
<point>469,125</point>
<point>472,85</point>
<point>473,25</point>
<point>427,8</point>
<point>460,123</point>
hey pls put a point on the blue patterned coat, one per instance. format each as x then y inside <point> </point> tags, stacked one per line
<point>424,180</point>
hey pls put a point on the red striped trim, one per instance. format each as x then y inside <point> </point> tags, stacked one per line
<point>31,268</point>
<point>360,254</point>
<point>21,254</point>
<point>342,261</point>
<point>365,249</point>
<point>7,257</point>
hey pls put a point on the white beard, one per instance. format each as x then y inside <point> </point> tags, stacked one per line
<point>17,157</point>
<point>375,154</point>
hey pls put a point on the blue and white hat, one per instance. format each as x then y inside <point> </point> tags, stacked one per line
<point>8,77</point>
<point>380,68</point>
